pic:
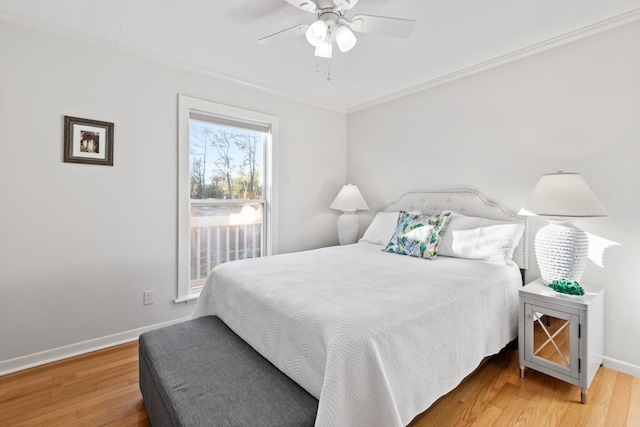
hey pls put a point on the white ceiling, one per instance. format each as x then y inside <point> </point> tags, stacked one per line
<point>220,37</point>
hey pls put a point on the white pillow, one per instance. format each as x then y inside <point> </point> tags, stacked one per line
<point>480,238</point>
<point>382,228</point>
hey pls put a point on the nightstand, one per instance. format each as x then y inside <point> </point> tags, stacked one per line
<point>561,335</point>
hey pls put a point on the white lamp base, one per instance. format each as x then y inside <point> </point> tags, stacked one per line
<point>561,251</point>
<point>348,228</point>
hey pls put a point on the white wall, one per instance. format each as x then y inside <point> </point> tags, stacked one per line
<point>80,243</point>
<point>574,108</point>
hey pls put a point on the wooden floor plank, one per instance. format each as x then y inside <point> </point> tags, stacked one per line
<point>619,407</point>
<point>101,389</point>
<point>633,418</point>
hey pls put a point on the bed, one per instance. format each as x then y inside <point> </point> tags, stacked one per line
<point>377,337</point>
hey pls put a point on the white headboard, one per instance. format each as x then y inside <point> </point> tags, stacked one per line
<point>466,202</point>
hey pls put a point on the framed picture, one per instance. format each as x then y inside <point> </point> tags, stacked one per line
<point>88,141</point>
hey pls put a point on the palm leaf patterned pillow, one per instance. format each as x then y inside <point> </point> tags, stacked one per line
<point>418,235</point>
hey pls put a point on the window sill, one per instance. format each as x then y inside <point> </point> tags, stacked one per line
<point>190,299</point>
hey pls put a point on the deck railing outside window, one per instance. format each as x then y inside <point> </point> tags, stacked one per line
<point>223,233</point>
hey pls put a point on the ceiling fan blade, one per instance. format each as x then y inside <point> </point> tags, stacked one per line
<point>387,26</point>
<point>345,4</point>
<point>306,5</point>
<point>280,36</point>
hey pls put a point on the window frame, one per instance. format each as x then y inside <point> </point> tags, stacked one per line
<point>186,105</point>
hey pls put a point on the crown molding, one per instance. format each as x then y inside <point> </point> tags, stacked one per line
<point>158,60</point>
<point>607,24</point>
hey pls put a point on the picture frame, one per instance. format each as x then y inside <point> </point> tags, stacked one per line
<point>88,141</point>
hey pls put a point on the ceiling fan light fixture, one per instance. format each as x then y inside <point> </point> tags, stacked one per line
<point>331,24</point>
<point>317,33</point>
<point>324,49</point>
<point>345,39</point>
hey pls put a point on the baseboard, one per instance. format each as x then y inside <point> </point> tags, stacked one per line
<point>617,365</point>
<point>36,359</point>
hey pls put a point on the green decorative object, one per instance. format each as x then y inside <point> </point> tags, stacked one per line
<point>569,287</point>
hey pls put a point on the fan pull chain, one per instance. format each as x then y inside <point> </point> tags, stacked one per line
<point>328,70</point>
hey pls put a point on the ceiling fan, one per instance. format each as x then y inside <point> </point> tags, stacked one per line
<point>332,25</point>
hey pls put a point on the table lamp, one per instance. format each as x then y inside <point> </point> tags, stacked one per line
<point>348,201</point>
<point>561,247</point>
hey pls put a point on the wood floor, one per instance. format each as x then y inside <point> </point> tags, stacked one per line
<point>95,389</point>
<point>101,389</point>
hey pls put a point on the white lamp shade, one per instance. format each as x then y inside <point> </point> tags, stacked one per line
<point>345,39</point>
<point>349,199</point>
<point>564,195</point>
<point>324,49</point>
<point>317,32</point>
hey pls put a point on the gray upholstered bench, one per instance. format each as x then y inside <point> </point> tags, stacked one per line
<point>199,373</point>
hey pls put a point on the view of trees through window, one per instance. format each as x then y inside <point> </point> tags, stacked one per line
<point>226,190</point>
<point>225,161</point>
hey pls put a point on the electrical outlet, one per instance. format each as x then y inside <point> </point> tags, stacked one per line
<point>148,297</point>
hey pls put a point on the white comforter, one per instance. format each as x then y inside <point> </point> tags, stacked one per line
<point>376,337</point>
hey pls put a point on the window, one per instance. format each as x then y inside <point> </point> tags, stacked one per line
<point>225,189</point>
